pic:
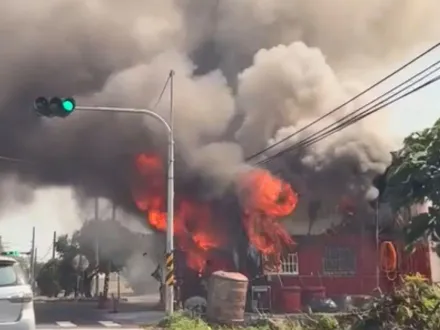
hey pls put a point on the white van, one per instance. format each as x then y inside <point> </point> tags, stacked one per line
<point>16,297</point>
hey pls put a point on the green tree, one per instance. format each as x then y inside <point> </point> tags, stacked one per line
<point>66,249</point>
<point>38,266</point>
<point>48,278</point>
<point>113,240</point>
<point>414,177</point>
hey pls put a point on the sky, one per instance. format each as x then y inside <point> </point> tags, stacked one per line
<point>55,209</point>
<point>419,110</point>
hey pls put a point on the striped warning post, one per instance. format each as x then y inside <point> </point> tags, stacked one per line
<point>169,265</point>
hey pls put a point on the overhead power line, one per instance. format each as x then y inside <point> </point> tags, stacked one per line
<point>162,92</point>
<point>384,103</point>
<point>358,115</point>
<point>401,68</point>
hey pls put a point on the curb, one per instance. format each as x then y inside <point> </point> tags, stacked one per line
<point>51,300</point>
<point>145,318</point>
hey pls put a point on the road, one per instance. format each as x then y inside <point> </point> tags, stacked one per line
<point>59,314</point>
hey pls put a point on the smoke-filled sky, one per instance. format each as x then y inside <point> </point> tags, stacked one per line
<point>247,74</point>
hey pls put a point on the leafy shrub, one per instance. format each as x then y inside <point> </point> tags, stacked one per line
<point>47,279</point>
<point>327,323</point>
<point>180,321</point>
<point>414,305</point>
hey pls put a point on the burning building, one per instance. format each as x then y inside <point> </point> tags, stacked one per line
<point>326,250</point>
<point>248,74</point>
<point>206,237</point>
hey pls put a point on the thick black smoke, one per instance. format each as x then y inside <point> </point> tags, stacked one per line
<point>247,74</point>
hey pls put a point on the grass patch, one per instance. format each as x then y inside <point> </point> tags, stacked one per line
<point>181,321</point>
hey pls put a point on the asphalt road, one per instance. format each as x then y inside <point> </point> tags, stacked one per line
<point>58,314</point>
<point>63,313</point>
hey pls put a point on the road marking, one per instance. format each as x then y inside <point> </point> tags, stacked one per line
<point>66,324</point>
<point>109,324</point>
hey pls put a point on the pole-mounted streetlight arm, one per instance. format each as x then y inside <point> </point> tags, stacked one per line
<point>127,110</point>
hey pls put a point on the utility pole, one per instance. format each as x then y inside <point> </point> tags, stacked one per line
<point>32,261</point>
<point>54,243</point>
<point>97,268</point>
<point>33,267</point>
<point>79,277</point>
<point>377,229</point>
<point>169,259</point>
<point>96,250</point>
<point>119,286</point>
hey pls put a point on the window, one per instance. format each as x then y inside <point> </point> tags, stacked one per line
<point>339,261</point>
<point>287,265</point>
<point>11,274</point>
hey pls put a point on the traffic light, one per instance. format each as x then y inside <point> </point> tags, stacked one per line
<point>55,107</point>
<point>10,253</point>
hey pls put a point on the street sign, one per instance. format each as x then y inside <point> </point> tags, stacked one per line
<point>10,253</point>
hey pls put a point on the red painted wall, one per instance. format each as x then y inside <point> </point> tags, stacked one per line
<point>310,259</point>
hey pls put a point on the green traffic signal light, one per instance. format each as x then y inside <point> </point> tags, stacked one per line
<point>56,107</point>
<point>68,104</point>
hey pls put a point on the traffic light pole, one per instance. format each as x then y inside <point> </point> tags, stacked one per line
<point>169,305</point>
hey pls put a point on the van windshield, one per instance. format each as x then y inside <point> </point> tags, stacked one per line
<point>11,274</point>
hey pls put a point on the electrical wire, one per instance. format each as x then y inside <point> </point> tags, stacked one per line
<point>401,68</point>
<point>372,109</point>
<point>353,118</point>
<point>314,139</point>
<point>379,106</point>
<point>161,93</point>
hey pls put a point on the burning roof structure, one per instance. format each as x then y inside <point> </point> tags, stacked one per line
<point>198,229</point>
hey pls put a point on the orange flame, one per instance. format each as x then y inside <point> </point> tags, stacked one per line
<point>196,229</point>
<point>266,198</point>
